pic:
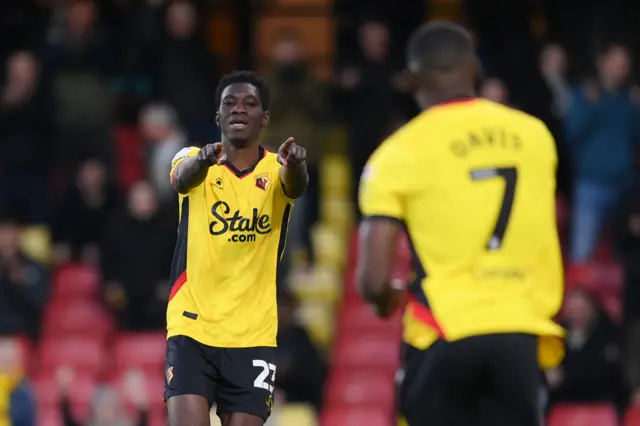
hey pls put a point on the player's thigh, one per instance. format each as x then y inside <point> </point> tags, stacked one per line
<point>433,390</point>
<point>240,419</point>
<point>189,370</point>
<point>246,385</point>
<point>515,380</point>
<point>188,410</point>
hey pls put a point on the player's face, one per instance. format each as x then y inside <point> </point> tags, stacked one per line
<point>241,117</point>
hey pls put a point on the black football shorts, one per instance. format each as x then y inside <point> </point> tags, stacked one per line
<point>235,379</point>
<point>491,380</point>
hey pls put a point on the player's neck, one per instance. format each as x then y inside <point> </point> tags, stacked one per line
<point>430,100</point>
<point>243,157</point>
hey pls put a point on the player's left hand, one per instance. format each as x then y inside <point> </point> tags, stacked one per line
<point>291,154</point>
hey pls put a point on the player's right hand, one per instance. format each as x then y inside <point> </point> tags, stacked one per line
<point>212,153</point>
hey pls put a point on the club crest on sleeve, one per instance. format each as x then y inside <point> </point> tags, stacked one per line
<point>263,181</point>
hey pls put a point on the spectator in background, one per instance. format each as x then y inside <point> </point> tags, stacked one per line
<point>370,79</point>
<point>557,93</point>
<point>590,369</point>
<point>23,284</point>
<point>160,129</point>
<point>549,100</point>
<point>495,90</point>
<point>17,401</point>
<point>138,240</point>
<point>299,108</point>
<point>79,225</point>
<point>187,73</point>
<point>601,130</point>
<point>25,132</point>
<point>78,53</point>
<point>107,407</point>
<point>301,369</point>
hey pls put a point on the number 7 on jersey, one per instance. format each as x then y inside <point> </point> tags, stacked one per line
<point>510,176</point>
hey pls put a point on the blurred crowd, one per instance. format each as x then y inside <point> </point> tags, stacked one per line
<point>97,97</point>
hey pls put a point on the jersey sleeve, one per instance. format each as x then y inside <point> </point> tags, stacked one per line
<point>382,190</point>
<point>182,155</point>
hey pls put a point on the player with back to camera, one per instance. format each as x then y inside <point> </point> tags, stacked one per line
<point>235,199</point>
<point>473,184</point>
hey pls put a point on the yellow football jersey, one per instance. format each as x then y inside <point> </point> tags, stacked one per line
<point>231,237</point>
<point>474,184</point>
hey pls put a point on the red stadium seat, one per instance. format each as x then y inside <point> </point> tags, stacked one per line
<point>144,351</point>
<point>632,418</point>
<point>76,318</point>
<point>356,417</point>
<point>359,316</point>
<point>583,415</point>
<point>73,281</point>
<point>361,388</point>
<point>129,156</point>
<point>158,415</point>
<point>613,306</point>
<point>612,278</point>
<point>584,275</point>
<point>86,355</point>
<point>49,416</point>
<point>364,350</point>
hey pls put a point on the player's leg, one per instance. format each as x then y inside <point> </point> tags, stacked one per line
<point>188,410</point>
<point>189,382</point>
<point>244,395</point>
<point>240,419</point>
<point>515,381</point>
<point>437,387</point>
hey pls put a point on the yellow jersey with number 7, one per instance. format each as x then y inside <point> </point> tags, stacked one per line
<point>474,184</point>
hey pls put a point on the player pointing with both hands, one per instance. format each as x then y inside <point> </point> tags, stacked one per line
<point>289,154</point>
<point>235,201</point>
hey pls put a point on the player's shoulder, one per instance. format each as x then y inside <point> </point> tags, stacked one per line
<point>392,155</point>
<point>270,159</point>
<point>519,117</point>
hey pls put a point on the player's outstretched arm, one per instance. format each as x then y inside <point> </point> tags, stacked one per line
<point>192,171</point>
<point>378,241</point>
<point>293,173</point>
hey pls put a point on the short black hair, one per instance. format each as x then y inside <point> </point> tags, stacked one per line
<point>437,45</point>
<point>248,77</point>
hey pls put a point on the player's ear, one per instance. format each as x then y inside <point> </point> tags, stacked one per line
<point>218,119</point>
<point>265,119</point>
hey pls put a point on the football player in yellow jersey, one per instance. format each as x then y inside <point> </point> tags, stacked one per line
<point>235,200</point>
<point>473,184</point>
